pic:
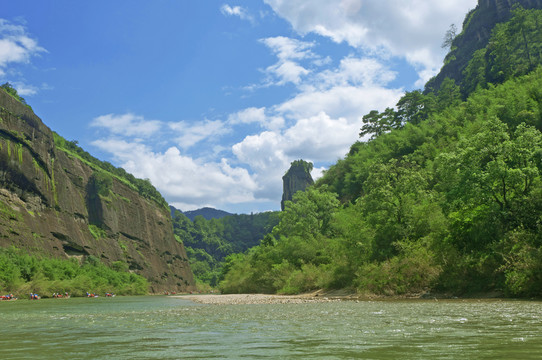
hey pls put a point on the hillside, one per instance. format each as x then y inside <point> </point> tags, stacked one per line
<point>57,201</point>
<point>209,242</point>
<point>476,32</point>
<point>445,197</point>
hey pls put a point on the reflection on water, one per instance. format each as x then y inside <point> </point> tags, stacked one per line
<point>172,328</point>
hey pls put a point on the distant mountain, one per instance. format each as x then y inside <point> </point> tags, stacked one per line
<point>207,212</point>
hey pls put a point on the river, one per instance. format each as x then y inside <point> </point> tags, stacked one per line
<point>160,327</point>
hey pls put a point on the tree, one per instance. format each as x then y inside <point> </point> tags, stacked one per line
<point>414,107</point>
<point>376,124</point>
<point>449,37</point>
<point>449,94</point>
<point>487,180</point>
<point>516,46</point>
<point>308,215</point>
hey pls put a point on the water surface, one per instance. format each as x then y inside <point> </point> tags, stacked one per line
<point>162,327</point>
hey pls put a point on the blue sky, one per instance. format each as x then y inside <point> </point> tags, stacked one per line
<point>212,100</point>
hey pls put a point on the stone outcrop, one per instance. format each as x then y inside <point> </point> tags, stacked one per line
<point>297,178</point>
<point>49,206</point>
<point>475,35</point>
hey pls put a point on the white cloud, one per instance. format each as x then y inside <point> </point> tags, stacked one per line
<point>256,115</point>
<point>25,89</point>
<point>318,139</point>
<point>289,49</point>
<point>239,11</point>
<point>247,116</point>
<point>127,124</point>
<point>190,134</point>
<point>319,124</point>
<point>340,101</point>
<point>16,46</point>
<point>412,29</point>
<point>321,121</point>
<point>182,180</point>
<point>289,52</point>
<point>357,72</point>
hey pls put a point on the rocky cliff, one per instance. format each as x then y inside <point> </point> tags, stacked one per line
<point>50,205</point>
<point>475,35</point>
<point>297,178</point>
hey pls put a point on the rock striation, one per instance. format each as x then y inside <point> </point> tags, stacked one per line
<point>49,205</point>
<point>297,178</point>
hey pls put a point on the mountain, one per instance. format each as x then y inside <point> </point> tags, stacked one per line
<point>297,178</point>
<point>207,212</point>
<point>209,242</point>
<point>58,201</point>
<point>476,32</point>
<point>445,198</point>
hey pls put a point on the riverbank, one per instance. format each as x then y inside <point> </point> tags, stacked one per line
<point>323,296</point>
<point>246,299</point>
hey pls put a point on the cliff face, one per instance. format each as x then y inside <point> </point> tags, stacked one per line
<point>49,206</point>
<point>477,28</point>
<point>297,178</point>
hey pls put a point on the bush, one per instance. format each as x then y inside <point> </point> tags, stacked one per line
<point>21,274</point>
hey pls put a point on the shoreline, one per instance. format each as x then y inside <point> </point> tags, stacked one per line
<point>328,296</point>
<point>251,299</point>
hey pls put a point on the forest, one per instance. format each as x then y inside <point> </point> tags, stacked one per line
<point>209,242</point>
<point>445,196</point>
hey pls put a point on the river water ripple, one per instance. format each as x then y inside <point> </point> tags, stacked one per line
<point>159,327</point>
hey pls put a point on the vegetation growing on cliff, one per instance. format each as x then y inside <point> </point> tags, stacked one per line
<point>13,92</point>
<point>22,274</point>
<point>446,196</point>
<point>105,169</point>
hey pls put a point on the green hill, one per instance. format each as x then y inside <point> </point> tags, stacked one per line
<point>445,197</point>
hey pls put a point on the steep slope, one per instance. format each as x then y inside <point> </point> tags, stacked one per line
<point>297,178</point>
<point>447,199</point>
<point>475,35</point>
<point>56,204</point>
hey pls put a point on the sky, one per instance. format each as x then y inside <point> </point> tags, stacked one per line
<point>212,100</point>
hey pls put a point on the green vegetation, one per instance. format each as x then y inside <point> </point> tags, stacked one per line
<point>208,242</point>
<point>105,169</point>
<point>445,196</point>
<point>306,166</point>
<point>22,274</point>
<point>97,232</point>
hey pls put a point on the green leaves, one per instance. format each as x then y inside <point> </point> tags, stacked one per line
<point>445,195</point>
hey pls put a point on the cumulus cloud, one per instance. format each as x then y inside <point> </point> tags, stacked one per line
<point>248,116</point>
<point>190,133</point>
<point>184,181</point>
<point>340,101</point>
<point>289,52</point>
<point>16,45</point>
<point>351,90</point>
<point>127,124</point>
<point>319,138</point>
<point>412,29</point>
<point>25,89</point>
<point>238,11</point>
<point>256,115</point>
<point>320,122</point>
